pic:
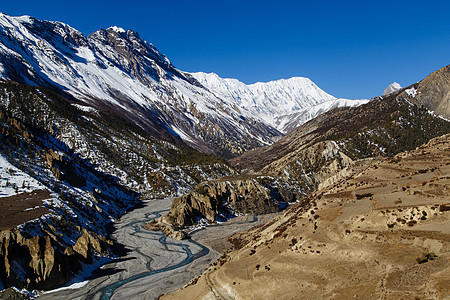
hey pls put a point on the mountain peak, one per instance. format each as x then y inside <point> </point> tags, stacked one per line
<point>393,87</point>
<point>117,29</point>
<point>282,103</point>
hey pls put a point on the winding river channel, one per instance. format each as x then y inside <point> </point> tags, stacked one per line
<point>153,264</point>
<point>109,290</point>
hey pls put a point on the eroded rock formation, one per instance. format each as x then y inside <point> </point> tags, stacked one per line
<point>42,262</point>
<point>221,199</point>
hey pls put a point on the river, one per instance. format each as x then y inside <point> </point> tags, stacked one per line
<point>154,265</point>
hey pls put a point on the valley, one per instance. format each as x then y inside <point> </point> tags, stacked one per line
<point>152,264</point>
<point>187,185</point>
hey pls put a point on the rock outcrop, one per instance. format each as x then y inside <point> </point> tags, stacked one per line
<point>42,262</point>
<point>218,200</point>
<point>309,166</point>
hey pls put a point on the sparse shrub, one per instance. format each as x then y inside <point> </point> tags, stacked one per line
<point>426,257</point>
<point>411,223</point>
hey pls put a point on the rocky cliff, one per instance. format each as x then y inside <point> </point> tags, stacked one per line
<point>218,200</point>
<point>433,92</point>
<point>309,166</point>
<point>43,262</point>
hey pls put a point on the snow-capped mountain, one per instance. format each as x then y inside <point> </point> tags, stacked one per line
<point>115,70</point>
<point>393,87</point>
<point>284,104</point>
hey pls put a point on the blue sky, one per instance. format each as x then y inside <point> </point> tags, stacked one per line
<point>351,49</point>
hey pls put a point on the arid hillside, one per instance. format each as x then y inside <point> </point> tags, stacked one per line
<point>382,232</point>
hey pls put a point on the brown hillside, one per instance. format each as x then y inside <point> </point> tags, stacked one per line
<point>433,92</point>
<point>382,233</point>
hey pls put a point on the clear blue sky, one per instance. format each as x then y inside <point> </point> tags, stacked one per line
<point>351,49</point>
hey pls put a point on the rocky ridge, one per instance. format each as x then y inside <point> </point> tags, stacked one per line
<point>433,92</point>
<point>219,200</point>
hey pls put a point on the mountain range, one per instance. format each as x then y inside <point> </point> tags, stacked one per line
<point>92,126</point>
<point>115,69</point>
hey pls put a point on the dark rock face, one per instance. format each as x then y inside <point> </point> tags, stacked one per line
<point>134,54</point>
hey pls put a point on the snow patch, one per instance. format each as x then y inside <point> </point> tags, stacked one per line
<point>85,108</point>
<point>13,181</point>
<point>412,92</point>
<point>117,29</point>
<point>181,134</point>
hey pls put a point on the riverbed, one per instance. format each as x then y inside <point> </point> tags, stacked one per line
<point>155,265</point>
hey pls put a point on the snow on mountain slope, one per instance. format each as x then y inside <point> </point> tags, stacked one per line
<point>14,181</point>
<point>284,104</point>
<point>289,122</point>
<point>117,70</point>
<point>114,69</point>
<point>393,87</point>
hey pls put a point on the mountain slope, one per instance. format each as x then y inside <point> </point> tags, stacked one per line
<point>380,233</point>
<point>433,92</point>
<point>284,104</point>
<point>114,69</point>
<point>384,126</point>
<point>318,152</point>
<point>67,171</point>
